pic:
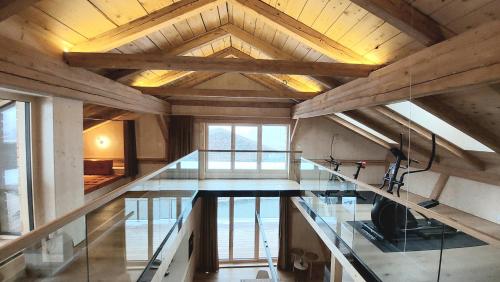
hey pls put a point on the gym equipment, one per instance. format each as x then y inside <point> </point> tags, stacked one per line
<point>359,165</point>
<point>391,220</point>
<point>336,167</point>
<point>328,194</point>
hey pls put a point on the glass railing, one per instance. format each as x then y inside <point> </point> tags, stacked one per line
<point>249,164</point>
<point>408,243</point>
<point>132,233</point>
<point>124,235</point>
<point>272,273</point>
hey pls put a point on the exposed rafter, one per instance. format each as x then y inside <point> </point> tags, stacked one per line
<point>184,63</point>
<point>301,32</point>
<point>450,147</point>
<point>188,46</point>
<point>9,8</point>
<point>406,18</point>
<point>272,51</point>
<point>193,79</point>
<point>431,71</point>
<point>417,152</point>
<point>145,25</point>
<point>283,79</point>
<point>184,92</point>
<point>359,131</point>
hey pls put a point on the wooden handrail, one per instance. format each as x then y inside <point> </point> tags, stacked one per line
<point>248,151</point>
<point>472,231</point>
<point>28,239</point>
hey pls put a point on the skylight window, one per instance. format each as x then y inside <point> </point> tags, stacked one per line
<point>438,126</point>
<point>365,128</point>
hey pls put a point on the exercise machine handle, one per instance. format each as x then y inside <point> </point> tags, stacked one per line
<point>429,164</point>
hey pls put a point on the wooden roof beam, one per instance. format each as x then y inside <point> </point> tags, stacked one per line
<point>272,51</point>
<point>406,18</point>
<point>9,8</point>
<point>173,76</point>
<point>184,92</point>
<point>27,71</point>
<point>188,46</point>
<point>184,63</point>
<point>443,143</point>
<point>467,60</point>
<point>301,32</point>
<point>145,25</point>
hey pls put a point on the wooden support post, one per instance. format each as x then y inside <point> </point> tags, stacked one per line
<point>335,270</point>
<point>163,123</point>
<point>438,188</point>
<point>294,130</point>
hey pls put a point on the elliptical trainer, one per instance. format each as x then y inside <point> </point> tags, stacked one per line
<point>389,218</point>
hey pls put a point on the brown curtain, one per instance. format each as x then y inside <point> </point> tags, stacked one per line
<point>130,148</point>
<point>209,255</point>
<point>180,137</point>
<point>284,259</point>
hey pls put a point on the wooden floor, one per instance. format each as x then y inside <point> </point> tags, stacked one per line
<point>236,274</point>
<point>461,264</point>
<point>219,184</point>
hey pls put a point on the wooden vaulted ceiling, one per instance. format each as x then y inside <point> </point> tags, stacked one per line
<point>359,31</point>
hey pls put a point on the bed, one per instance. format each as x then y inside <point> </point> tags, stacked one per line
<point>98,173</point>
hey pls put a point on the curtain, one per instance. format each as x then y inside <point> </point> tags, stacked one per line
<point>209,255</point>
<point>130,148</point>
<point>284,260</point>
<point>180,137</point>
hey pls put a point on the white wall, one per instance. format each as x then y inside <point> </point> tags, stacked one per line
<point>479,199</point>
<point>150,143</point>
<point>113,148</point>
<point>314,137</point>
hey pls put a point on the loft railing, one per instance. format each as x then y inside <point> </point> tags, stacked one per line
<point>270,263</point>
<point>84,237</point>
<point>340,207</point>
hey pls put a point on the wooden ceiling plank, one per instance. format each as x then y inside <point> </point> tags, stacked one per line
<point>301,32</point>
<point>185,63</point>
<point>443,143</point>
<point>145,25</point>
<point>175,91</point>
<point>406,18</point>
<point>9,8</point>
<point>465,61</point>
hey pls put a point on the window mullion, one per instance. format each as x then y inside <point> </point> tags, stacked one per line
<point>233,146</point>
<point>231,227</point>
<point>257,229</point>
<point>259,147</point>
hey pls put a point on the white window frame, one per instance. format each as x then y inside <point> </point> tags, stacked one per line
<point>248,173</point>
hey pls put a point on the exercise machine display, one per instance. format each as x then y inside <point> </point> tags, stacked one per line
<point>391,221</point>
